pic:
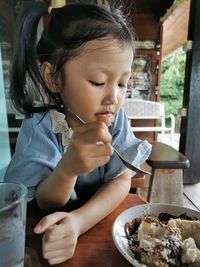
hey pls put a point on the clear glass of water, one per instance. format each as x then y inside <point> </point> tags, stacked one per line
<point>13,205</point>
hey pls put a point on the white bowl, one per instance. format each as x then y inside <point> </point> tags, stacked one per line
<point>128,215</point>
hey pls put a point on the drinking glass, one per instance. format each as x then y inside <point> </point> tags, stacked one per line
<point>13,205</point>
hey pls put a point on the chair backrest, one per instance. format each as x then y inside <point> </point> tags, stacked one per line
<point>143,109</point>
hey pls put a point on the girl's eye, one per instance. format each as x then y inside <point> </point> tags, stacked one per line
<point>124,86</point>
<point>96,84</point>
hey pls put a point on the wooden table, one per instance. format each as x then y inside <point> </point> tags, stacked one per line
<point>94,248</point>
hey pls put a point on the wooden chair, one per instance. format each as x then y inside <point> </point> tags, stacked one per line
<point>143,110</point>
<point>166,181</point>
<point>137,182</point>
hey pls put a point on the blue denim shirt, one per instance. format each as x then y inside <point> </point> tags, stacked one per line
<point>39,149</point>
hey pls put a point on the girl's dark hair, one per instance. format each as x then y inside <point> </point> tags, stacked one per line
<point>70,27</point>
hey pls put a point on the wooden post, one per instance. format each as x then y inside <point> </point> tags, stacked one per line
<point>167,186</point>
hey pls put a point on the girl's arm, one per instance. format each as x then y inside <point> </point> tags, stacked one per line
<point>54,191</point>
<point>61,230</point>
<point>84,154</point>
<point>103,202</point>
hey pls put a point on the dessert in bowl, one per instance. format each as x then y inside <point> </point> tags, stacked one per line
<point>158,235</point>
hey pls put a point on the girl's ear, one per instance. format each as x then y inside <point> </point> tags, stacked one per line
<point>49,77</point>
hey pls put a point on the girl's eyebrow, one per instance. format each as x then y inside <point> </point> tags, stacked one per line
<point>126,73</point>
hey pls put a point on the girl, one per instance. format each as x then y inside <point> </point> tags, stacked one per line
<point>81,62</point>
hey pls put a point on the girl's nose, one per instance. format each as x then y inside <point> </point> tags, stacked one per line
<point>111,96</point>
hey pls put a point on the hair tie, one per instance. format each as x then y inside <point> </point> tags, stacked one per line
<point>56,4</point>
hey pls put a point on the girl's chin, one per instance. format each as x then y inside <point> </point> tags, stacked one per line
<point>107,120</point>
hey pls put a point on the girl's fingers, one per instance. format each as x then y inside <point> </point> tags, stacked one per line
<point>54,245</point>
<point>93,132</point>
<point>58,232</point>
<point>58,260</point>
<point>91,125</point>
<point>96,151</point>
<point>58,256</point>
<point>57,252</point>
<point>106,120</point>
<point>96,135</point>
<point>95,161</point>
<point>48,221</point>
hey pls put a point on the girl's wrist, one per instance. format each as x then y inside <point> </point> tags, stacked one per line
<point>75,221</point>
<point>64,173</point>
<point>80,222</point>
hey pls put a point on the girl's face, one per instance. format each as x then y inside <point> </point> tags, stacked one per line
<point>95,82</point>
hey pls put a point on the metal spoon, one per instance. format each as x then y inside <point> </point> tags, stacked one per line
<point>126,163</point>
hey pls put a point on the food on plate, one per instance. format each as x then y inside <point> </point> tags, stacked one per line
<point>165,240</point>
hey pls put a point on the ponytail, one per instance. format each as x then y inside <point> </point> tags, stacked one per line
<point>25,60</point>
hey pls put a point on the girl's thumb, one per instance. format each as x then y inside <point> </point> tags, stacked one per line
<point>48,222</point>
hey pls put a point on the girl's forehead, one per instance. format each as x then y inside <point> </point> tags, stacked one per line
<point>103,55</point>
<point>105,45</point>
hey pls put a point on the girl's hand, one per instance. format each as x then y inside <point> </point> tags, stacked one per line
<point>90,148</point>
<point>61,231</point>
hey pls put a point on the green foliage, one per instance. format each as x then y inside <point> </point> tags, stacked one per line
<point>172,82</point>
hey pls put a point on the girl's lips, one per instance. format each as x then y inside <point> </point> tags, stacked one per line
<point>105,117</point>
